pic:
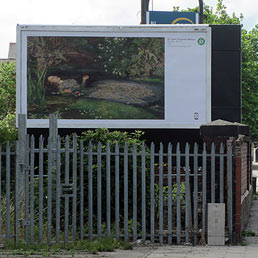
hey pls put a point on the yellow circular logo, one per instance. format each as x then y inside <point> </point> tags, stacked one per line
<point>182,19</point>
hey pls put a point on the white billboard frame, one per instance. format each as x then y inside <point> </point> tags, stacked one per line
<point>23,31</point>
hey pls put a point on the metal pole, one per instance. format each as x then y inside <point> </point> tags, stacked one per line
<point>22,144</point>
<point>201,11</point>
<point>144,9</point>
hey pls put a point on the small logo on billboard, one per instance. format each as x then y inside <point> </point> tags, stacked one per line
<point>201,41</point>
<point>196,116</point>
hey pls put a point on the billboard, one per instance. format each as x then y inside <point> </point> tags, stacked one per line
<point>164,17</point>
<point>113,76</point>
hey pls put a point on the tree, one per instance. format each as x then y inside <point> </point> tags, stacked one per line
<point>250,79</point>
<point>7,89</point>
<point>249,62</point>
<point>8,130</point>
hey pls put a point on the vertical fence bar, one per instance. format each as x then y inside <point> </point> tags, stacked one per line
<point>195,194</point>
<point>66,218</point>
<point>187,194</point>
<point>90,194</point>
<point>41,144</point>
<point>169,194</point>
<point>8,201</point>
<point>152,191</point>
<point>32,159</point>
<point>126,192</point>
<point>49,193</point>
<point>161,194</point>
<point>16,207</point>
<point>58,187</point>
<point>143,193</point>
<point>99,189</point>
<point>108,189</point>
<point>134,192</point>
<point>221,173</point>
<point>178,183</point>
<point>213,173</point>
<point>230,207</point>
<point>81,191</point>
<point>204,183</point>
<point>75,149</point>
<point>117,190</point>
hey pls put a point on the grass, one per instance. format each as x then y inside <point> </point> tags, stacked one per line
<point>93,247</point>
<point>152,80</point>
<point>248,233</point>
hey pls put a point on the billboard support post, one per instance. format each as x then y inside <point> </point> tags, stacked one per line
<point>22,161</point>
<point>53,131</point>
<point>144,9</point>
<point>201,11</point>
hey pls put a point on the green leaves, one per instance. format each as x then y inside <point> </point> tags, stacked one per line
<point>250,80</point>
<point>249,62</point>
<point>8,130</point>
<point>103,135</point>
<point>7,89</point>
<point>132,57</point>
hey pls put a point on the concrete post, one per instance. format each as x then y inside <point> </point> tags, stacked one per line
<point>22,144</point>
<point>216,224</point>
<point>53,129</point>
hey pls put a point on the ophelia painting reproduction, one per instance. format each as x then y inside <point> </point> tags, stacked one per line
<point>95,77</point>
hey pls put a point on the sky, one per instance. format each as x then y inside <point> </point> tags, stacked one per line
<point>97,12</point>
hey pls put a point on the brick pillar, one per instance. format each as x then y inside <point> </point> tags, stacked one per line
<point>238,210</point>
<point>225,132</point>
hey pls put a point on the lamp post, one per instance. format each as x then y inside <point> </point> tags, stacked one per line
<point>144,9</point>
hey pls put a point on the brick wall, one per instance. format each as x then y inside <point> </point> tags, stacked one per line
<point>244,167</point>
<point>243,182</point>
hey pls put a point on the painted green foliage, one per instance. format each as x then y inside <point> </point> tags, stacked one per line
<point>76,67</point>
<point>133,58</point>
<point>44,53</point>
<point>118,57</point>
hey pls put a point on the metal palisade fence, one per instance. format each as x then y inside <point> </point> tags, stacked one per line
<point>65,190</point>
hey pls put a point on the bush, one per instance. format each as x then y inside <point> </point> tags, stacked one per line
<point>7,89</point>
<point>8,131</point>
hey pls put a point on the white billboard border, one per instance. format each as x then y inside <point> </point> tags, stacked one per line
<point>21,92</point>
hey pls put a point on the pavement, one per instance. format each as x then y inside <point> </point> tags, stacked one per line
<point>162,252</point>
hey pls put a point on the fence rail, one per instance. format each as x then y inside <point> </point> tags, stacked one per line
<point>73,190</point>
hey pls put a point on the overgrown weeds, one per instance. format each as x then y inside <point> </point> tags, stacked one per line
<point>93,247</point>
<point>248,233</point>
